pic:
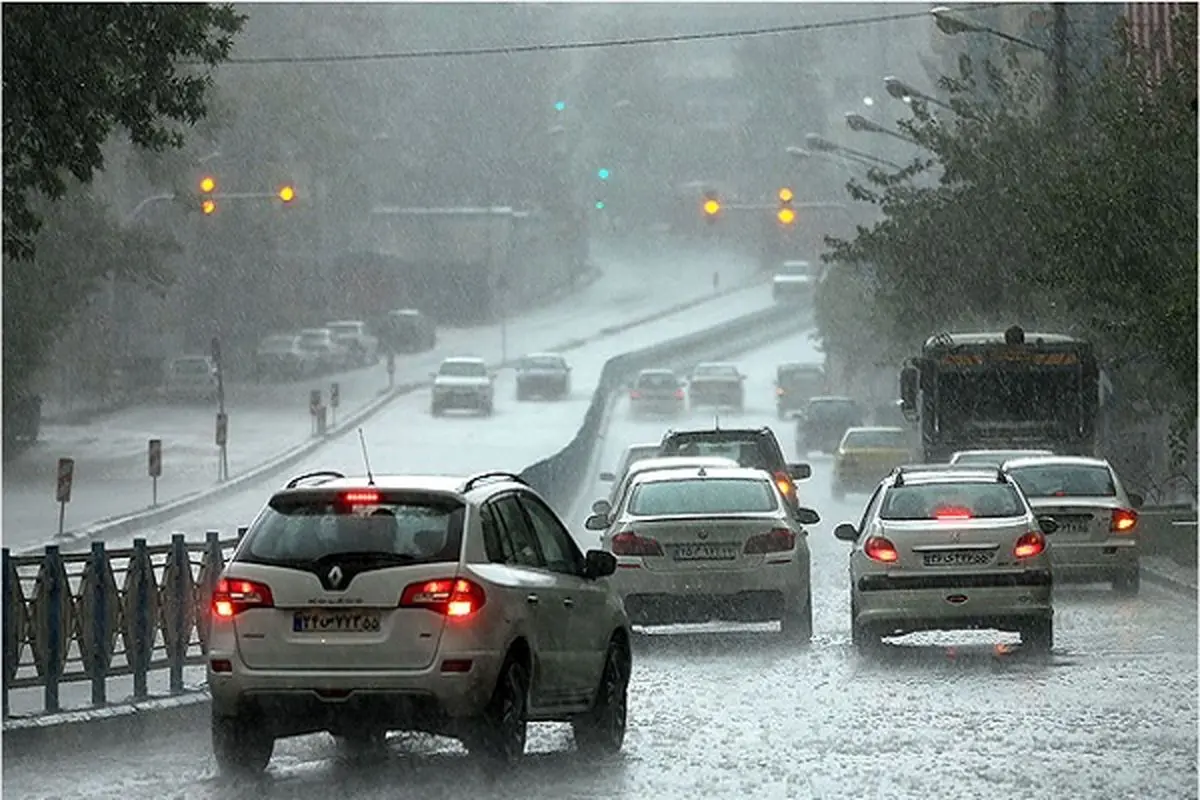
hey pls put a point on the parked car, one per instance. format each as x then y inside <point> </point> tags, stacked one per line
<point>283,356</point>
<point>657,391</point>
<point>718,385</point>
<point>795,385</point>
<point>823,422</point>
<point>1098,536</point>
<point>191,379</point>
<point>865,456</point>
<point>324,349</point>
<point>407,330</point>
<point>353,336</point>
<point>450,606</point>
<point>463,383</point>
<point>545,375</point>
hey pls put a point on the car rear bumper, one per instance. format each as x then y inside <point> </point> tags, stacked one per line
<point>542,385</point>
<point>750,594</point>
<point>891,606</point>
<point>655,405</point>
<point>468,398</point>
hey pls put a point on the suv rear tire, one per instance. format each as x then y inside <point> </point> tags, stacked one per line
<point>601,731</point>
<point>241,745</point>
<point>499,735</point>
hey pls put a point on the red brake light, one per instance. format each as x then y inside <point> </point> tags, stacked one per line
<point>878,548</point>
<point>1029,545</point>
<point>952,512</point>
<point>679,394</point>
<point>234,596</point>
<point>454,597</point>
<point>363,498</point>
<point>630,544</point>
<point>779,540</point>
<point>1124,520</point>
<point>634,394</point>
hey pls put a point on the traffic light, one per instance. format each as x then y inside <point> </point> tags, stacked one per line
<point>711,206</point>
<point>208,206</point>
<point>785,213</point>
<point>600,205</point>
<point>208,185</point>
<point>560,106</point>
<point>286,193</point>
<point>603,173</point>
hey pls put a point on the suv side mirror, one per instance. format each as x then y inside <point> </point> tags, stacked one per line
<point>800,472</point>
<point>601,507</point>
<point>1048,525</point>
<point>806,516</point>
<point>599,564</point>
<point>1136,500</point>
<point>846,532</point>
<point>596,522</point>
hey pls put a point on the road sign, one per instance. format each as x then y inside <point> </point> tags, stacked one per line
<point>155,465</point>
<point>334,395</point>
<point>66,476</point>
<point>314,401</point>
<point>222,429</point>
<point>216,351</point>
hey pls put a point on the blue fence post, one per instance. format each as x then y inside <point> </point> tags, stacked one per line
<point>100,632</point>
<point>143,630</point>
<point>52,569</point>
<point>177,653</point>
<point>10,654</point>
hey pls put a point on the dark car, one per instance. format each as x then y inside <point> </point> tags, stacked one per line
<point>407,330</point>
<point>795,385</point>
<point>656,391</point>
<point>756,448</point>
<point>545,375</point>
<point>824,420</point>
<point>717,385</point>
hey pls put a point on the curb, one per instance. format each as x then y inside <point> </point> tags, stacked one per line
<point>1173,585</point>
<point>136,519</point>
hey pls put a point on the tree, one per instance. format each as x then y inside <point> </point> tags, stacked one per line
<point>74,73</point>
<point>1085,224</point>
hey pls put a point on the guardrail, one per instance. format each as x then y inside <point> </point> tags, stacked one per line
<point>66,621</point>
<point>1169,531</point>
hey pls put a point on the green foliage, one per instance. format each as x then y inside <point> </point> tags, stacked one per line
<point>1083,222</point>
<point>74,73</point>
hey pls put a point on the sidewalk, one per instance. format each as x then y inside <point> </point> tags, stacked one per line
<point>264,420</point>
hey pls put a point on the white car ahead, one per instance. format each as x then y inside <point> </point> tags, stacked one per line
<point>1098,536</point>
<point>711,543</point>
<point>464,383</point>
<point>456,607</point>
<point>941,548</point>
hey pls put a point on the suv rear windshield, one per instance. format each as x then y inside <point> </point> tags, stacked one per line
<point>1065,480</point>
<point>299,529</point>
<point>747,451</point>
<point>951,500</point>
<point>703,496</point>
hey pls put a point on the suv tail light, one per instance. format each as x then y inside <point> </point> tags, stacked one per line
<point>1124,520</point>
<point>879,548</point>
<point>234,596</point>
<point>630,544</point>
<point>454,597</point>
<point>1029,545</point>
<point>779,540</point>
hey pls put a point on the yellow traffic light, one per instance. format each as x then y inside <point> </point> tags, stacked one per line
<point>287,193</point>
<point>208,184</point>
<point>786,195</point>
<point>208,206</point>
<point>711,207</point>
<point>786,216</point>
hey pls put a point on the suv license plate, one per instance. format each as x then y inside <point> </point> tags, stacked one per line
<point>335,622</point>
<point>958,558</point>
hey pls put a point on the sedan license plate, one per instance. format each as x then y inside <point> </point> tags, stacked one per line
<point>1074,525</point>
<point>958,558</point>
<point>706,552</point>
<point>319,621</point>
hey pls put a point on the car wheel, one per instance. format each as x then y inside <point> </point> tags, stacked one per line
<point>241,745</point>
<point>797,625</point>
<point>1038,636</point>
<point>862,637</point>
<point>500,735</point>
<point>1128,582</point>
<point>601,731</point>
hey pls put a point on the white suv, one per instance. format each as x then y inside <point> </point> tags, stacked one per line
<point>459,607</point>
<point>463,382</point>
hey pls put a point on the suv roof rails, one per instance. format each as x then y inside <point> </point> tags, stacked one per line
<point>323,473</point>
<point>470,482</point>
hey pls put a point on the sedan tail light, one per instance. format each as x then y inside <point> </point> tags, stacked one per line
<point>635,395</point>
<point>1029,545</point>
<point>679,394</point>
<point>879,548</point>
<point>630,544</point>
<point>779,540</point>
<point>454,597</point>
<point>234,596</point>
<point>1124,520</point>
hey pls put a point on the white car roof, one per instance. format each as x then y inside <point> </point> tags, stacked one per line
<point>875,429</point>
<point>543,355</point>
<point>1055,461</point>
<point>345,322</point>
<point>678,462</point>
<point>685,473</point>
<point>442,484</point>
<point>463,360</point>
<point>314,330</point>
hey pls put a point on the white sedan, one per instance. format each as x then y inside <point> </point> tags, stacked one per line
<point>711,543</point>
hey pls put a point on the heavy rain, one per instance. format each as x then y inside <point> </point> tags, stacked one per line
<point>580,400</point>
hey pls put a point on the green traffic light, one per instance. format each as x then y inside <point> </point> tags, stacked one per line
<point>560,106</point>
<point>603,174</point>
<point>599,205</point>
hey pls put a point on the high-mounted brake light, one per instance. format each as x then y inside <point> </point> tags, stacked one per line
<point>779,540</point>
<point>952,512</point>
<point>1029,545</point>
<point>364,497</point>
<point>233,596</point>
<point>1124,520</point>
<point>454,597</point>
<point>879,548</point>
<point>630,544</point>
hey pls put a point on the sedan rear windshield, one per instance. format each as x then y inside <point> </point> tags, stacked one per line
<point>716,371</point>
<point>897,440</point>
<point>703,496</point>
<point>463,369</point>
<point>951,501</point>
<point>995,457</point>
<point>657,380</point>
<point>543,362</point>
<point>300,530</point>
<point>1065,480</point>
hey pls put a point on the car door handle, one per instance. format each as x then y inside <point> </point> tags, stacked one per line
<point>532,599</point>
<point>568,602</point>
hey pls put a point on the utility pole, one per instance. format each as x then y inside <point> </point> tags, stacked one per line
<point>1059,59</point>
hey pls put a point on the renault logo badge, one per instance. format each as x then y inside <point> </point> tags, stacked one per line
<point>335,577</point>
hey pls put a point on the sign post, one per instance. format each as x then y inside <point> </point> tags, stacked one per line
<point>314,406</point>
<point>334,400</point>
<point>222,440</point>
<point>66,477</point>
<point>155,469</point>
<point>391,368</point>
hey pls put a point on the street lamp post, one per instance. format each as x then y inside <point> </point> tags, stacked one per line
<point>819,143</point>
<point>859,123</point>
<point>906,93</point>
